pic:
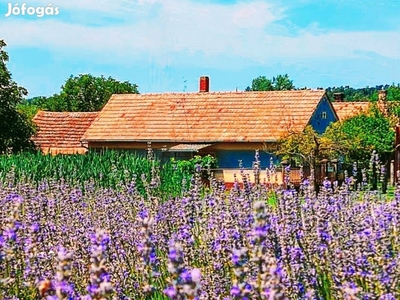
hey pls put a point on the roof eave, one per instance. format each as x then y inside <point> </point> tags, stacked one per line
<point>175,141</point>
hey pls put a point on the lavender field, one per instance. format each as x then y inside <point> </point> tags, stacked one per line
<point>66,239</point>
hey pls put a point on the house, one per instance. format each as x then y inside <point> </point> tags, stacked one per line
<point>346,110</point>
<point>227,125</point>
<point>61,132</point>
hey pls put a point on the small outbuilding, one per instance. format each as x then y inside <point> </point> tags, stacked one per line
<point>61,132</point>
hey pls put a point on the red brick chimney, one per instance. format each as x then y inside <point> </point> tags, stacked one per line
<point>204,84</point>
<point>339,97</point>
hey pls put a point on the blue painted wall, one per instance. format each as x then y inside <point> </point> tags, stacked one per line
<point>230,159</point>
<point>317,122</point>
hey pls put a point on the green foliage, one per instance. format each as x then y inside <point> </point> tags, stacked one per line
<point>188,166</point>
<point>85,93</point>
<point>369,131</point>
<point>108,169</point>
<point>366,93</point>
<point>15,127</point>
<point>29,110</point>
<point>278,83</point>
<point>393,93</point>
<point>302,146</point>
<point>336,143</point>
<point>282,83</point>
<point>353,139</point>
<point>261,83</point>
<point>353,94</point>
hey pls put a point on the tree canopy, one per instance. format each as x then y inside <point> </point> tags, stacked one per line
<point>367,132</point>
<point>366,93</point>
<point>15,127</point>
<point>354,139</point>
<point>302,146</point>
<point>278,83</point>
<point>84,92</point>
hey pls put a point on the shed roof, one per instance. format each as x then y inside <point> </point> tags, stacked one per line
<point>349,109</point>
<point>203,117</point>
<point>188,147</point>
<point>61,132</point>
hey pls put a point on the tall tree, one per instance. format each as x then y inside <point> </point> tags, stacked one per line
<point>282,83</point>
<point>278,83</point>
<point>85,93</point>
<point>15,128</point>
<point>354,139</point>
<point>372,131</point>
<point>261,83</point>
<point>303,146</point>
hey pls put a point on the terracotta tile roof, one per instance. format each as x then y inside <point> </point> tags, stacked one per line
<point>349,109</point>
<point>60,132</point>
<point>204,117</point>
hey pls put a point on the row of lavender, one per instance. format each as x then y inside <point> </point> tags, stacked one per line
<point>65,242</point>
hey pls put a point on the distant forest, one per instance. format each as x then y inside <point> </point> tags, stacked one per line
<point>366,93</point>
<point>283,82</point>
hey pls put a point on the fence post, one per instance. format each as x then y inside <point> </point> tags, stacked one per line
<point>392,182</point>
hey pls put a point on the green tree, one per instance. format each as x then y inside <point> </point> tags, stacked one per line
<point>29,107</point>
<point>365,133</point>
<point>278,83</point>
<point>337,143</point>
<point>302,146</point>
<point>86,93</point>
<point>361,94</point>
<point>393,92</point>
<point>282,83</point>
<point>15,128</point>
<point>354,139</point>
<point>369,131</point>
<point>261,83</point>
<point>29,110</point>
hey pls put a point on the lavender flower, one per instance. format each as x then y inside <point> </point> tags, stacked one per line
<point>328,246</point>
<point>147,250</point>
<point>100,286</point>
<point>64,290</point>
<point>241,289</point>
<point>60,288</point>
<point>184,283</point>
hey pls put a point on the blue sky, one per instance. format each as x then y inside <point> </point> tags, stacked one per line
<point>166,45</point>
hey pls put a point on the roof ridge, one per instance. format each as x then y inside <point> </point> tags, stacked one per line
<point>219,92</point>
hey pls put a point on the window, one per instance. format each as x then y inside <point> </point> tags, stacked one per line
<point>323,115</point>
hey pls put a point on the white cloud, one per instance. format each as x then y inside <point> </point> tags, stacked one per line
<point>112,7</point>
<point>165,29</point>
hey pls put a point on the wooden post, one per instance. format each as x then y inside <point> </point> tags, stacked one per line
<point>284,164</point>
<point>392,182</point>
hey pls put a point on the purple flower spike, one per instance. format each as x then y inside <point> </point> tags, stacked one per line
<point>100,286</point>
<point>184,284</point>
<point>148,262</point>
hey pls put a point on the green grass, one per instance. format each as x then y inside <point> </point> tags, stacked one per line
<point>107,169</point>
